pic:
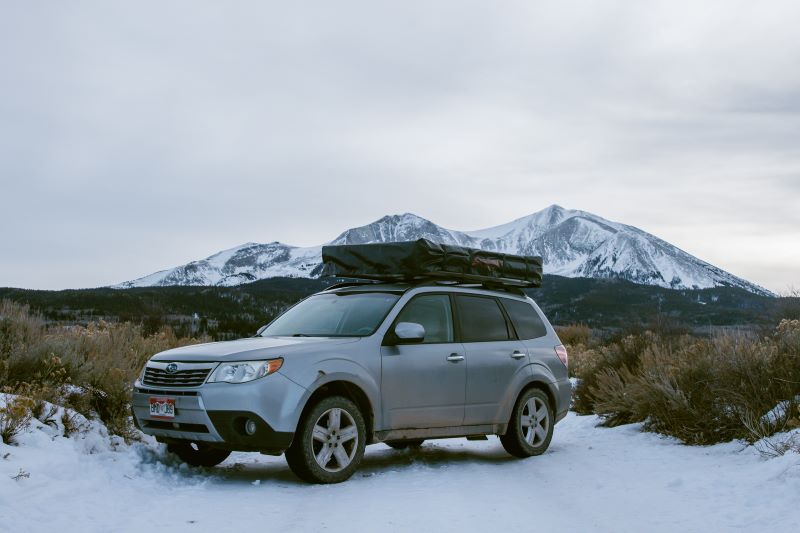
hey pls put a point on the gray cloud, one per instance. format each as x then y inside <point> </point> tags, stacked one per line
<point>137,136</point>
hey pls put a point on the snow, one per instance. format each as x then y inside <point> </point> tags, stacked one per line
<point>220,258</point>
<point>591,479</point>
<point>572,243</point>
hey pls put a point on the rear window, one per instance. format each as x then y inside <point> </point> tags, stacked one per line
<point>481,319</point>
<point>525,319</point>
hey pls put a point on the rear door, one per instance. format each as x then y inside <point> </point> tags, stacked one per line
<point>422,385</point>
<point>493,355</point>
<point>530,330</point>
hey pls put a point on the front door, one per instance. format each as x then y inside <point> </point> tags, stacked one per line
<point>423,384</point>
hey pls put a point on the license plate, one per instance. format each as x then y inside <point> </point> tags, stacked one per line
<point>162,407</point>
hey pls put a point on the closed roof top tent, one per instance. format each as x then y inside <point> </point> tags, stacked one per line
<point>423,259</point>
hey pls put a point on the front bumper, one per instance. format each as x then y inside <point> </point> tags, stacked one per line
<point>216,413</point>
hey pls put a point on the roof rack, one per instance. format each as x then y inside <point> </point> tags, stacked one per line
<point>420,260</point>
<point>416,282</point>
<point>355,283</point>
<point>513,289</point>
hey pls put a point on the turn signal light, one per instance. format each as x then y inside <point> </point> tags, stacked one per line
<point>273,365</point>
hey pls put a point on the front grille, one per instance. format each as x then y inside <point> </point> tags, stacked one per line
<point>157,377</point>
<point>159,392</point>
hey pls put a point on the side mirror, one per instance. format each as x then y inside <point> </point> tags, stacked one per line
<point>409,332</point>
<point>260,331</point>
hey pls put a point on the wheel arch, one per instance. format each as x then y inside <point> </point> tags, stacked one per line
<point>541,379</point>
<point>350,390</point>
<point>543,386</point>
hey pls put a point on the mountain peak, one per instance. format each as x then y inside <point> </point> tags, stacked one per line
<point>572,243</point>
<point>401,218</point>
<point>395,228</point>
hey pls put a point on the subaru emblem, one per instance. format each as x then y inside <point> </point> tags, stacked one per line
<point>171,368</point>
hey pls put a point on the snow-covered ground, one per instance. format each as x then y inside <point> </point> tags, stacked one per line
<point>591,479</point>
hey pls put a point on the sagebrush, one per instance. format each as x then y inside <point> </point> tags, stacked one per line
<point>700,390</point>
<point>89,369</point>
<point>15,413</point>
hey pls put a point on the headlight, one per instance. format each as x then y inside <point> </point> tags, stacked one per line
<point>244,371</point>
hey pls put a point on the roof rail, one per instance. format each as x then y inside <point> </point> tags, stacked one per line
<point>354,283</point>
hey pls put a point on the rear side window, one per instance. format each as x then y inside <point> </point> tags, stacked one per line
<point>525,319</point>
<point>481,319</point>
<point>433,312</point>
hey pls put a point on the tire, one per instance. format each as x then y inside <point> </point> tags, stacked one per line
<point>198,453</point>
<point>329,443</point>
<point>403,444</point>
<point>527,436</point>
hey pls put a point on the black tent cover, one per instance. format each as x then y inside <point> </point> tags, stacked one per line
<point>411,260</point>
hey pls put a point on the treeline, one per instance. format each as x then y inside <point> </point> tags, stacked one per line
<point>232,312</point>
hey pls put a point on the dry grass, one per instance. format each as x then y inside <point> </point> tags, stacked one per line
<point>90,369</point>
<point>579,342</point>
<point>15,414</point>
<point>699,390</point>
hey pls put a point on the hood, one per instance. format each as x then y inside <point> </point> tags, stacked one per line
<point>249,349</point>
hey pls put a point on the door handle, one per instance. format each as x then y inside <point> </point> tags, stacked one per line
<point>455,357</point>
<point>517,354</point>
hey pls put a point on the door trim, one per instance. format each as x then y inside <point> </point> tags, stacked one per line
<point>441,433</point>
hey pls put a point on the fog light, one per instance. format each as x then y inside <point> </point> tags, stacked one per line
<point>250,427</point>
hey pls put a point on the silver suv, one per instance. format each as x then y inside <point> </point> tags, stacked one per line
<point>359,364</point>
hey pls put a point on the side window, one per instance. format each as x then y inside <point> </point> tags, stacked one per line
<point>433,312</point>
<point>481,319</point>
<point>525,319</point>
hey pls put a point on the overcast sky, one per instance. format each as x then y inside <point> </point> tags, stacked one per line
<point>136,136</point>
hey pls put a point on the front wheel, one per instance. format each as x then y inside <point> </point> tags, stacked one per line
<point>329,443</point>
<point>531,426</point>
<point>198,453</point>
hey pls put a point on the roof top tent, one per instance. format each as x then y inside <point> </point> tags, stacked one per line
<point>423,260</point>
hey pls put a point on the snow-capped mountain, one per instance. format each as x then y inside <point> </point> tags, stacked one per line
<point>572,243</point>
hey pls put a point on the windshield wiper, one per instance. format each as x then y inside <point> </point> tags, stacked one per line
<point>300,335</point>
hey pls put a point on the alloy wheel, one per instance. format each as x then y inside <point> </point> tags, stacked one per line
<point>535,421</point>
<point>334,439</point>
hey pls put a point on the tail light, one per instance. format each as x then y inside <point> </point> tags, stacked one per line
<point>561,352</point>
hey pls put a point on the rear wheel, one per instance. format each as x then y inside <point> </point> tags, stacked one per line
<point>329,443</point>
<point>198,453</point>
<point>531,426</point>
<point>403,444</point>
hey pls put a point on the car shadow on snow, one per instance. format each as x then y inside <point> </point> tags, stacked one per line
<point>378,460</point>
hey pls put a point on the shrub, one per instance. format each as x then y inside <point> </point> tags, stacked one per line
<point>701,391</point>
<point>90,369</point>
<point>15,415</point>
<point>70,423</point>
<point>574,334</point>
<point>579,343</point>
<point>588,365</point>
<point>44,411</point>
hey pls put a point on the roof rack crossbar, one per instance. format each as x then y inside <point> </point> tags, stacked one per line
<point>427,280</point>
<point>444,277</point>
<point>354,283</point>
<point>409,262</point>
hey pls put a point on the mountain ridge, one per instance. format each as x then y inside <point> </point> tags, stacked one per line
<point>572,243</point>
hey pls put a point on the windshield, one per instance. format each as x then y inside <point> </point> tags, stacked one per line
<point>334,315</point>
